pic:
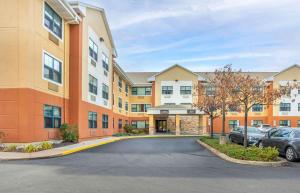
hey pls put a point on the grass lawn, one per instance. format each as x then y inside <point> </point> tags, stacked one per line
<point>239,152</point>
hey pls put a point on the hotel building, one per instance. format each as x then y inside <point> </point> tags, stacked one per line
<point>57,65</point>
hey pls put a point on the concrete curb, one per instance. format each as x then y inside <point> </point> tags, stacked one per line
<point>223,156</point>
<point>41,154</point>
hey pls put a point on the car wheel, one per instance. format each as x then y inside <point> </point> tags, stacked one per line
<point>260,145</point>
<point>290,154</point>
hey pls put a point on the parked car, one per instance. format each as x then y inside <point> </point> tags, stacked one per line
<point>286,140</point>
<point>254,135</point>
<point>265,127</point>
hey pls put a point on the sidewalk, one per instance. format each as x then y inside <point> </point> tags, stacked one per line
<point>61,151</point>
<point>56,152</point>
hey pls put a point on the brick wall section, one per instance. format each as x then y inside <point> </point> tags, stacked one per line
<point>189,125</point>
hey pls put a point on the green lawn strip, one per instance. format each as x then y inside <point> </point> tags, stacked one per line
<point>239,152</point>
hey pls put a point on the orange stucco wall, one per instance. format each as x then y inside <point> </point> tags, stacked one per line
<point>21,114</point>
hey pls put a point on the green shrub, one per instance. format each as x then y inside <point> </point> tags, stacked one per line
<point>46,145</point>
<point>69,133</point>
<point>129,129</point>
<point>239,152</point>
<point>31,148</point>
<point>10,148</point>
<point>121,134</point>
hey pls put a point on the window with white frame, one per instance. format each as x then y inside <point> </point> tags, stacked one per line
<point>185,90</point>
<point>285,123</point>
<point>141,91</point>
<point>284,107</point>
<point>257,108</point>
<point>120,104</point>
<point>52,116</point>
<point>140,124</point>
<point>92,120</point>
<point>105,91</point>
<point>93,85</point>
<point>298,107</point>
<point>105,62</point>
<point>104,121</point>
<point>233,124</point>
<point>52,69</point>
<point>140,107</point>
<point>52,21</point>
<point>93,49</point>
<point>126,106</point>
<point>167,90</point>
<point>257,122</point>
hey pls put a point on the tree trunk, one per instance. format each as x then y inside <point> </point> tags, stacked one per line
<point>223,119</point>
<point>211,127</point>
<point>246,128</point>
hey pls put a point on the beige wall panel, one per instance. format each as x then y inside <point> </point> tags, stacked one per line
<point>9,13</point>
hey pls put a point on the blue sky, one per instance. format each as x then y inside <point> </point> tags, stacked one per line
<point>202,35</point>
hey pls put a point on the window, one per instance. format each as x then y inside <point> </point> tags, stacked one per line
<point>257,108</point>
<point>140,124</point>
<point>93,50</point>
<point>93,85</point>
<point>104,121</point>
<point>92,120</point>
<point>104,91</point>
<point>286,89</point>
<point>120,124</point>
<point>120,104</point>
<point>167,90</point>
<point>233,124</point>
<point>140,107</point>
<point>52,116</point>
<point>126,106</point>
<point>258,89</point>
<point>126,122</point>
<point>285,106</point>
<point>120,82</point>
<point>141,91</point>
<point>298,123</point>
<point>257,122</point>
<point>233,108</point>
<point>185,90</point>
<point>52,21</point>
<point>298,107</point>
<point>52,68</point>
<point>126,88</point>
<point>298,90</point>
<point>285,123</point>
<point>105,62</point>
<point>210,90</point>
<point>281,133</point>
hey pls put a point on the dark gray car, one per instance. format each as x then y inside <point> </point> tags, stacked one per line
<point>286,140</point>
<point>254,135</point>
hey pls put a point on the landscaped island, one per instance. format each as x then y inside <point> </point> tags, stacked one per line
<point>239,152</point>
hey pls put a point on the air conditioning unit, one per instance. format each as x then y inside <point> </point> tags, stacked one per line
<point>185,96</point>
<point>284,113</point>
<point>105,103</point>
<point>93,98</point>
<point>167,96</point>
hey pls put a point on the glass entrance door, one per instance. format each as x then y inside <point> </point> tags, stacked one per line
<point>161,126</point>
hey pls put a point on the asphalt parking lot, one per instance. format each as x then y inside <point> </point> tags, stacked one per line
<point>153,165</point>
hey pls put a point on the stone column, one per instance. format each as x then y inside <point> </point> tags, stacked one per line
<point>177,123</point>
<point>151,125</point>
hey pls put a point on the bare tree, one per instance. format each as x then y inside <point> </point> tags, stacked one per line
<point>249,91</point>
<point>208,102</point>
<point>223,81</point>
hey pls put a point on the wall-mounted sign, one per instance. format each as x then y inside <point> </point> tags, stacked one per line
<point>191,111</point>
<point>164,111</point>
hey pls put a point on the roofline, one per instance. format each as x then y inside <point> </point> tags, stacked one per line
<point>152,78</point>
<point>271,78</point>
<point>121,71</point>
<point>102,11</point>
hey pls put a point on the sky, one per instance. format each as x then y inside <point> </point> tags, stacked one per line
<point>202,35</point>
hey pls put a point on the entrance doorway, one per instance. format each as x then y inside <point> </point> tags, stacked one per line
<point>161,126</point>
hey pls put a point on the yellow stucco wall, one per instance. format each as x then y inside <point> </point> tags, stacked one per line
<point>122,95</point>
<point>290,74</point>
<point>172,74</point>
<point>23,38</point>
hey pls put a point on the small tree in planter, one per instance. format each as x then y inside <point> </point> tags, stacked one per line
<point>69,133</point>
<point>209,102</point>
<point>250,91</point>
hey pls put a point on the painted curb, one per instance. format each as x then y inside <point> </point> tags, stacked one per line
<point>223,156</point>
<point>74,150</point>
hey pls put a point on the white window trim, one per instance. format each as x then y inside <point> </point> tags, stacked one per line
<point>62,24</point>
<point>62,69</point>
<point>138,104</point>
